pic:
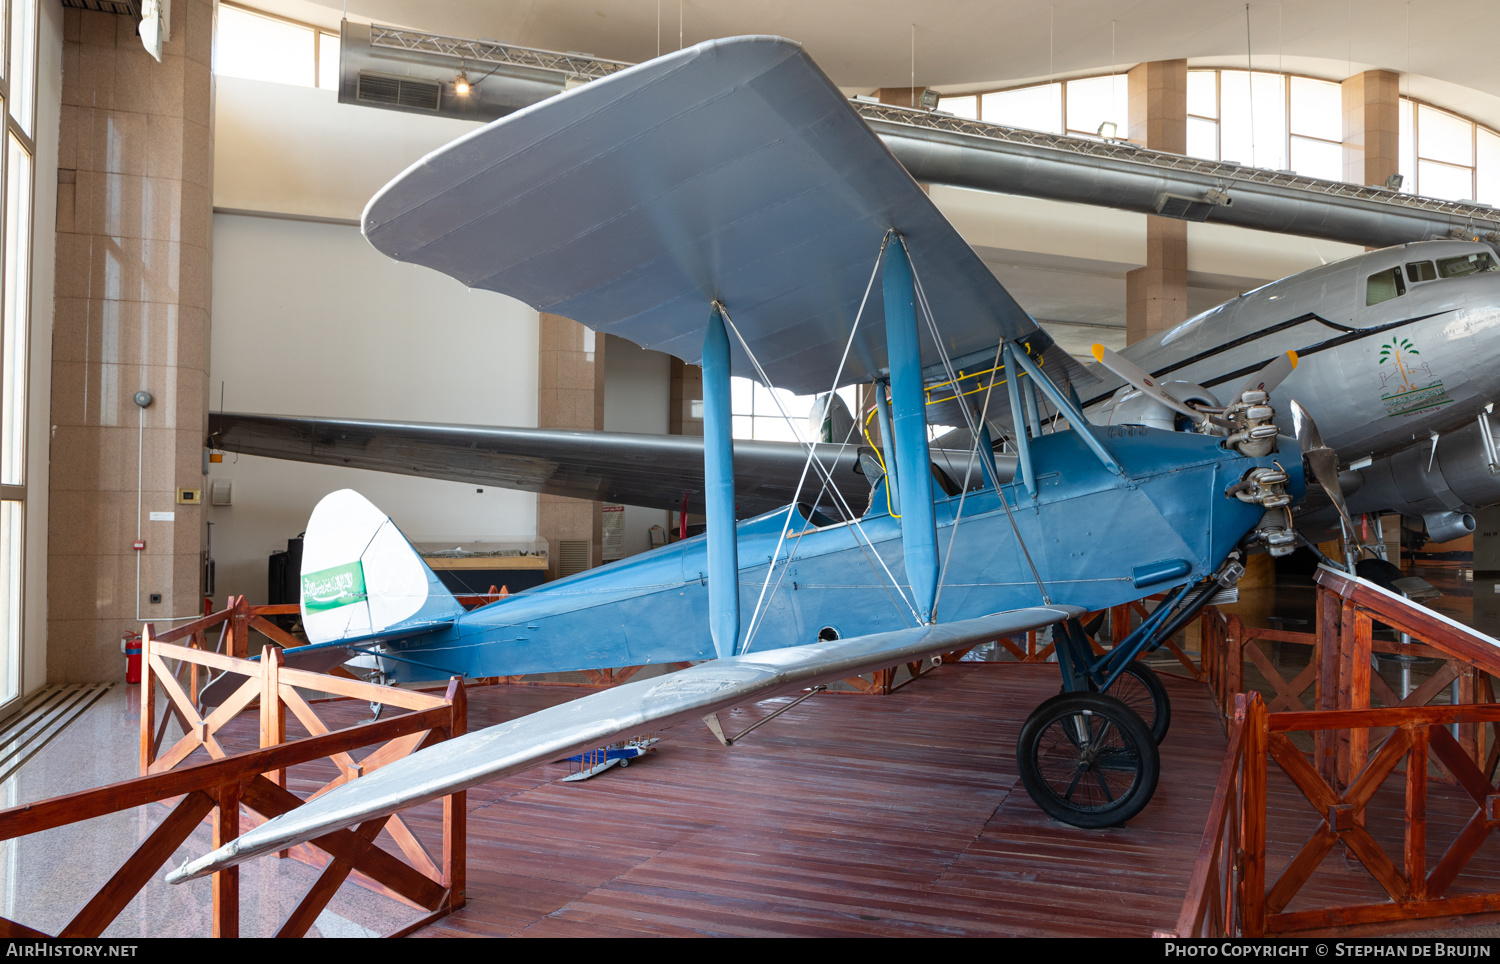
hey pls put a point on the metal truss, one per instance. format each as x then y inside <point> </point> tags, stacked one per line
<point>576,66</point>
<point>1123,151</point>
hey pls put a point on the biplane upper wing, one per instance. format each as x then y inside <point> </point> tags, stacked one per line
<point>558,731</point>
<point>732,171</point>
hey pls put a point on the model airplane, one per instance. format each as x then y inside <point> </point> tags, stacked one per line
<point>723,203</point>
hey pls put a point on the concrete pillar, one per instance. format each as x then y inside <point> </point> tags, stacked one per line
<point>1156,295</point>
<point>1372,126</point>
<point>685,412</point>
<point>901,96</point>
<point>134,216</point>
<point>570,394</point>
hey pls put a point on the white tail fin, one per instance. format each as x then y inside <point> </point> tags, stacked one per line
<point>362,578</point>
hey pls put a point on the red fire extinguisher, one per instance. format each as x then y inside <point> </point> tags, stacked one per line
<point>131,644</point>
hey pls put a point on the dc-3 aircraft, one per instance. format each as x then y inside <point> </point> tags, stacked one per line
<point>724,204</point>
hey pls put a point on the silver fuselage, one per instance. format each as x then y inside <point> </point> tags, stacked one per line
<point>1380,378</point>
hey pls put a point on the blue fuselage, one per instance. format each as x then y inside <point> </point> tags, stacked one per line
<point>1096,539</point>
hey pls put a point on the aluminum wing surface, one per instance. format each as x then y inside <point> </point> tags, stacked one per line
<point>655,471</point>
<point>491,753</point>
<point>732,171</point>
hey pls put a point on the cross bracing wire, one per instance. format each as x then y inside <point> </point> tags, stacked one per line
<point>823,471</point>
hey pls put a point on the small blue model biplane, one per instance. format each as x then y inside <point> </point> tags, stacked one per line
<point>724,204</point>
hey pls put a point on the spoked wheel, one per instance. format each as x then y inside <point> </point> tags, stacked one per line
<point>1139,688</point>
<point>1088,760</point>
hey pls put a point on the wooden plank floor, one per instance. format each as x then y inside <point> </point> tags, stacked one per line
<point>899,815</point>
<point>896,815</point>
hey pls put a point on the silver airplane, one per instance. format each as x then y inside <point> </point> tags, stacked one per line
<point>1397,352</point>
<point>1395,348</point>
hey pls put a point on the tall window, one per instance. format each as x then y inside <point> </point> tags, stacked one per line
<point>1089,106</point>
<point>1279,122</point>
<point>1447,156</point>
<point>18,29</point>
<point>261,46</point>
<point>757,414</point>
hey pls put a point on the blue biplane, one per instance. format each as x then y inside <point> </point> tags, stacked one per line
<point>724,204</point>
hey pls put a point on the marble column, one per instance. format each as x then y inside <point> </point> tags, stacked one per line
<point>1372,126</point>
<point>1156,295</point>
<point>570,394</point>
<point>134,216</point>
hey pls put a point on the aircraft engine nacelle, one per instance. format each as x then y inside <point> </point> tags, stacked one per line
<point>1131,406</point>
<point>1444,488</point>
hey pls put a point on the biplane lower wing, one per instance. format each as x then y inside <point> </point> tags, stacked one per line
<point>558,731</point>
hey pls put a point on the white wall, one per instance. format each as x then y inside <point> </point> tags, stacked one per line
<point>297,150</point>
<point>637,393</point>
<point>308,319</point>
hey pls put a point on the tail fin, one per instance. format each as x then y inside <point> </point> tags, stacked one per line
<point>361,578</point>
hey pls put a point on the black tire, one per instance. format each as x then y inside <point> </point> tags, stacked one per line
<point>1088,760</point>
<point>1140,689</point>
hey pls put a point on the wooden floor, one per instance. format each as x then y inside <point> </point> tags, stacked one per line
<point>857,815</point>
<point>898,815</point>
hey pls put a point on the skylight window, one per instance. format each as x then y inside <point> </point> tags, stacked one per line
<point>259,46</point>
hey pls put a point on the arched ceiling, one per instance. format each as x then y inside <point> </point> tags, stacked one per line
<point>969,43</point>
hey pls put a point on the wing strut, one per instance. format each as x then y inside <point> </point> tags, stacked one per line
<point>909,418</point>
<point>718,492</point>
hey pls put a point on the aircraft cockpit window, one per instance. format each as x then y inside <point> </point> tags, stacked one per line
<point>1384,286</point>
<point>1466,264</point>
<point>1420,271</point>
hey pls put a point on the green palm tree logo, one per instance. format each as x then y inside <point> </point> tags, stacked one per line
<point>1397,351</point>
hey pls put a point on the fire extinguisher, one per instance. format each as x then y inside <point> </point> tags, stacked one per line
<point>131,646</point>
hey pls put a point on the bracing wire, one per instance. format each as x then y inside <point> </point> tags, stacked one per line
<point>968,419</point>
<point>822,470</point>
<point>760,602</point>
<point>964,493</point>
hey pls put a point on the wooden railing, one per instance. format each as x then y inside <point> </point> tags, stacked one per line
<point>1229,895</point>
<point>255,780</point>
<point>1212,907</point>
<point>1355,751</point>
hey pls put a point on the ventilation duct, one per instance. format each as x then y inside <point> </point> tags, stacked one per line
<point>408,93</point>
<point>939,148</point>
<point>397,69</point>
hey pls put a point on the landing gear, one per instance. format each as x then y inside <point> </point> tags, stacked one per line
<point>1088,760</point>
<point>1139,688</point>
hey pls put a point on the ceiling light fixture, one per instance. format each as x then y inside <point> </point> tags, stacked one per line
<point>461,84</point>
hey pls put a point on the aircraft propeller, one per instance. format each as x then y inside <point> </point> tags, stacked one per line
<point>1323,462</point>
<point>1143,381</point>
<point>1263,381</point>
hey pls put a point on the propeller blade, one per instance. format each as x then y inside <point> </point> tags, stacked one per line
<point>1142,380</point>
<point>1271,375</point>
<point>1323,461</point>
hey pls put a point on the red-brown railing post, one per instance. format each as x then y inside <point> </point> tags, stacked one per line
<point>1416,812</point>
<point>148,699</point>
<point>1326,747</point>
<point>455,813</point>
<point>1252,896</point>
<point>226,883</point>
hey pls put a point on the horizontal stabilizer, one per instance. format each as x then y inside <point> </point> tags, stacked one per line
<point>559,731</point>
